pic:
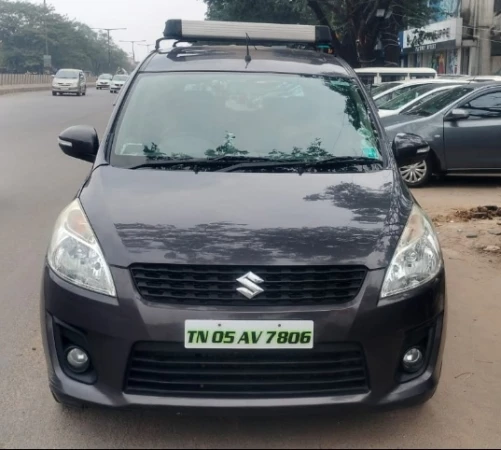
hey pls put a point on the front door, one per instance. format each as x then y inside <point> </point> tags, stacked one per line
<point>475,143</point>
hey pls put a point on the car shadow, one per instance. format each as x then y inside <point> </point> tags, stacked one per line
<point>148,428</point>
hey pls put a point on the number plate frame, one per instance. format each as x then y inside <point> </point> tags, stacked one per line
<point>249,334</point>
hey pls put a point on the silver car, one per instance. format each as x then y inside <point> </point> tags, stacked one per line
<point>69,81</point>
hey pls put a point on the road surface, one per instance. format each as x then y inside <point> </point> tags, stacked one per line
<point>37,181</point>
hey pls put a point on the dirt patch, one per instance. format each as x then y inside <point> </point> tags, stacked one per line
<point>491,212</point>
<point>475,230</point>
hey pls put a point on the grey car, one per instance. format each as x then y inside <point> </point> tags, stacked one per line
<point>462,126</point>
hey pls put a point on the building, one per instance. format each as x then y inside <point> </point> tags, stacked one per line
<point>463,38</point>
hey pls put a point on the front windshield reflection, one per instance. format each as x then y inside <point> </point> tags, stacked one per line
<point>209,115</point>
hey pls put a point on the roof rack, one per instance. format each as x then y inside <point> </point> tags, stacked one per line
<point>243,32</point>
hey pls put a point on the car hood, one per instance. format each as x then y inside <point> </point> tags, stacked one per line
<point>119,83</point>
<point>178,217</point>
<point>402,123</point>
<point>65,80</point>
<point>398,120</point>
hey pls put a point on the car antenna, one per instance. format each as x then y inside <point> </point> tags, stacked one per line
<point>248,57</point>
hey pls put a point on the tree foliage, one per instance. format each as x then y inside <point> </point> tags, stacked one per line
<point>71,43</point>
<point>356,25</point>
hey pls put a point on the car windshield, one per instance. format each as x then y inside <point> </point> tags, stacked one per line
<point>437,103</point>
<point>120,78</point>
<point>68,74</point>
<point>385,98</point>
<point>423,99</point>
<point>105,77</point>
<point>383,88</point>
<point>407,97</point>
<point>212,115</point>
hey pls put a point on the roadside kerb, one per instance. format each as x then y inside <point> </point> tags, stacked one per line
<point>16,88</point>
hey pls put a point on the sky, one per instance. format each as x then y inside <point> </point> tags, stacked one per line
<point>144,19</point>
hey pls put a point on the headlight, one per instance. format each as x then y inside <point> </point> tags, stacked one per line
<point>75,255</point>
<point>417,259</point>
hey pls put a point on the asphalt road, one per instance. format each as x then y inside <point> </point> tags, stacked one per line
<point>37,181</point>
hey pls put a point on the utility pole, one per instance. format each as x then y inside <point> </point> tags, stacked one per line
<point>45,26</point>
<point>46,33</point>
<point>108,31</point>
<point>133,48</point>
<point>147,46</point>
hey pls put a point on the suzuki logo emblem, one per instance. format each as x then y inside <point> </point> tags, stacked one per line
<point>251,289</point>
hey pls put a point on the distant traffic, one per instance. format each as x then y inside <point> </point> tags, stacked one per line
<point>74,81</point>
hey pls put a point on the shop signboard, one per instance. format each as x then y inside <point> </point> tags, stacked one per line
<point>436,36</point>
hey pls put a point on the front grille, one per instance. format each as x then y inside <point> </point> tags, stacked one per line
<point>157,369</point>
<point>217,285</point>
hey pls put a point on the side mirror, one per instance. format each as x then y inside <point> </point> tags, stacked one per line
<point>457,114</point>
<point>410,149</point>
<point>80,142</point>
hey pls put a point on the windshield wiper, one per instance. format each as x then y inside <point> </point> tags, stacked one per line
<point>337,161</point>
<point>199,162</point>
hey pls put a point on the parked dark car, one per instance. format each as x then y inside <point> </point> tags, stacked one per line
<point>244,239</point>
<point>462,126</point>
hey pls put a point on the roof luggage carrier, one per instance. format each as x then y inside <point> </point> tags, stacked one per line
<point>318,37</point>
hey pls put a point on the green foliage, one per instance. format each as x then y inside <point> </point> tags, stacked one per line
<point>71,44</point>
<point>313,153</point>
<point>356,26</point>
<point>273,11</point>
<point>227,149</point>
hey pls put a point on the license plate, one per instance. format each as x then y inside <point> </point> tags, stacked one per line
<point>249,334</point>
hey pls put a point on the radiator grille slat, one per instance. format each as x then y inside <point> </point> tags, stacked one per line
<point>163,370</point>
<point>217,285</point>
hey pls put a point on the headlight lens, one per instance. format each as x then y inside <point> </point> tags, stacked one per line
<point>75,255</point>
<point>418,257</point>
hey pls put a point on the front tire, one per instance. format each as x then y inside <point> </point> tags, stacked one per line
<point>418,175</point>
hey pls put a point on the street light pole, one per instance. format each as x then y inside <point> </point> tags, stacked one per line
<point>133,48</point>
<point>108,31</point>
<point>45,27</point>
<point>147,46</point>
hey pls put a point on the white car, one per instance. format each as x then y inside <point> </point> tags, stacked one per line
<point>411,86</point>
<point>118,82</point>
<point>410,99</point>
<point>104,81</point>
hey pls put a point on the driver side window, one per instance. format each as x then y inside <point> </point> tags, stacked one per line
<point>487,106</point>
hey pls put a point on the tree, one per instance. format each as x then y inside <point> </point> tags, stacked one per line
<point>357,25</point>
<point>71,43</point>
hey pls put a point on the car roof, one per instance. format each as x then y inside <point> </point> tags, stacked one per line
<point>232,59</point>
<point>396,70</point>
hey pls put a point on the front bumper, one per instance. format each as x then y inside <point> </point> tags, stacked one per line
<point>69,89</point>
<point>112,327</point>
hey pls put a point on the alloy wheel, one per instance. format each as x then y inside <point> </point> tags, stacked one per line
<point>415,173</point>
